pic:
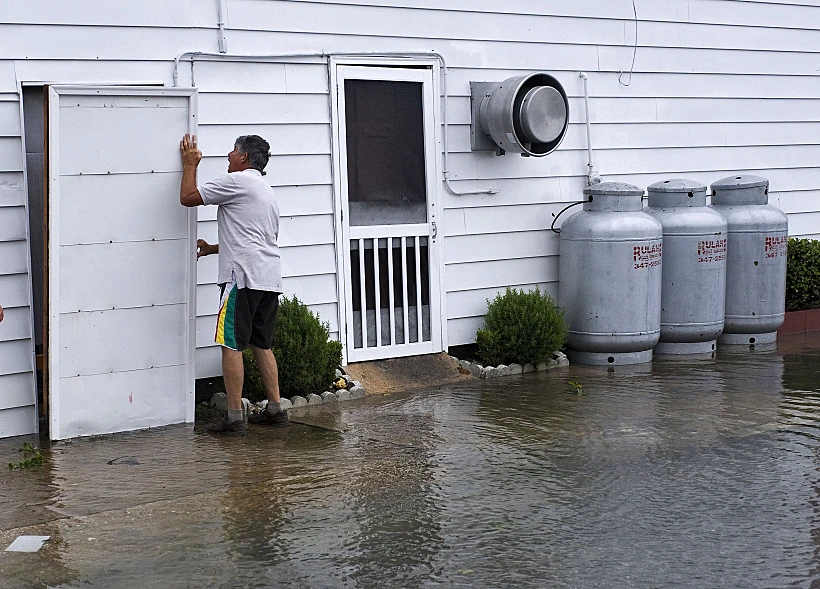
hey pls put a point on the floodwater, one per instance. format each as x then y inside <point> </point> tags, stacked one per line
<point>688,473</point>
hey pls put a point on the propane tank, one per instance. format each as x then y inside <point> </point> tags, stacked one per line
<point>756,261</point>
<point>610,277</point>
<point>693,287</point>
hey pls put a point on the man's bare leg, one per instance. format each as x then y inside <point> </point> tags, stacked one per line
<point>269,371</point>
<point>233,373</point>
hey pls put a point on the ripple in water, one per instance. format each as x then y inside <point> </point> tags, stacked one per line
<point>695,473</point>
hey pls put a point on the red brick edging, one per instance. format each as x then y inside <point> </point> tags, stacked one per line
<point>800,322</point>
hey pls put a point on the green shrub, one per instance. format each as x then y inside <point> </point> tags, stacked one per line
<point>803,274</point>
<point>521,327</point>
<point>307,360</point>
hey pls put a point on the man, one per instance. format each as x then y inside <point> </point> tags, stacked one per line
<point>250,272</point>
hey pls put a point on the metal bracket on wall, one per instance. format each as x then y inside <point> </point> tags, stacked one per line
<point>479,141</point>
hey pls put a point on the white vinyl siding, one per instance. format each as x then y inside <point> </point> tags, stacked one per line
<point>18,413</point>
<point>287,104</point>
<point>720,87</point>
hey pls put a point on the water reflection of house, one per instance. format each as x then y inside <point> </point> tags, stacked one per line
<point>363,163</point>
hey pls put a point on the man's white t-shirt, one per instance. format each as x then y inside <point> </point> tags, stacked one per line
<point>248,223</point>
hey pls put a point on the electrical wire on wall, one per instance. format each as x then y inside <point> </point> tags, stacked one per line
<point>561,212</point>
<point>634,50</point>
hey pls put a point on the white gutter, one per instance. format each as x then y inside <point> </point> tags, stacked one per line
<point>593,177</point>
<point>445,136</point>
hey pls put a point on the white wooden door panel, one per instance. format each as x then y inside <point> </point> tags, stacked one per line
<point>122,340</point>
<point>128,221</point>
<point>140,398</point>
<point>125,264</point>
<point>105,138</point>
<point>122,287</point>
<point>109,101</point>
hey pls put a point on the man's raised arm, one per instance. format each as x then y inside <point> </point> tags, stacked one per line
<point>188,194</point>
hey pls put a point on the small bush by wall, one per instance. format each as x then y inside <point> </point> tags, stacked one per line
<point>521,327</point>
<point>803,274</point>
<point>307,359</point>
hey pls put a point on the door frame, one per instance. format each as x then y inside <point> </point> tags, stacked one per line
<point>52,189</point>
<point>411,70</point>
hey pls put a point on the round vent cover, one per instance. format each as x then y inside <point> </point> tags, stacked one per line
<point>543,114</point>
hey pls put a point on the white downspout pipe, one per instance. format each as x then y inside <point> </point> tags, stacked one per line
<point>593,177</point>
<point>445,135</point>
<point>221,9</point>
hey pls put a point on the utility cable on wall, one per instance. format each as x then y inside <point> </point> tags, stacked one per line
<point>634,51</point>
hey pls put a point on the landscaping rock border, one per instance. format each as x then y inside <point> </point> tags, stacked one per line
<point>342,389</point>
<point>345,388</point>
<point>559,359</point>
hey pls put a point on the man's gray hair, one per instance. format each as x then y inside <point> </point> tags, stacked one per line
<point>258,151</point>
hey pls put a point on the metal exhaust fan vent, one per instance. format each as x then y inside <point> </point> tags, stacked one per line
<point>526,114</point>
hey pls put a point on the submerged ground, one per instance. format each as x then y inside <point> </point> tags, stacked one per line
<point>685,473</point>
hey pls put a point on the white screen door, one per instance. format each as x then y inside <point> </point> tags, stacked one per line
<point>121,255</point>
<point>390,211</point>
